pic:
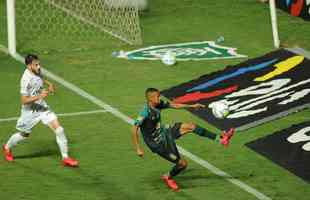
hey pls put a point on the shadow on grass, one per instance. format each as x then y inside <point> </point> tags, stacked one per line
<point>80,181</point>
<point>42,153</point>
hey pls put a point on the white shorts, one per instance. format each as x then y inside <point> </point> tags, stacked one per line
<point>29,119</point>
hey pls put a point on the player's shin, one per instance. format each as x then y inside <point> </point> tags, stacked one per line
<point>204,133</point>
<point>14,139</point>
<point>176,170</point>
<point>62,141</point>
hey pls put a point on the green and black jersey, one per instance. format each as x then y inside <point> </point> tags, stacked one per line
<point>149,121</point>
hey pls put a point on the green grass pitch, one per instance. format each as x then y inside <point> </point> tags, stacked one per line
<point>109,167</point>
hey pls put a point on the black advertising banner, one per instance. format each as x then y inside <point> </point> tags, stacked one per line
<point>257,91</point>
<point>298,8</point>
<point>289,148</point>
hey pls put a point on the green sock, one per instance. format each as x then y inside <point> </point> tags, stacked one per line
<point>176,170</point>
<point>204,133</point>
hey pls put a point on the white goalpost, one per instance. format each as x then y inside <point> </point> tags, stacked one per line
<point>10,5</point>
<point>73,18</point>
<point>273,15</point>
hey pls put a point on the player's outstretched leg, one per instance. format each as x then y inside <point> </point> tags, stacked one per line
<point>224,138</point>
<point>168,178</point>
<point>14,139</point>
<point>194,128</point>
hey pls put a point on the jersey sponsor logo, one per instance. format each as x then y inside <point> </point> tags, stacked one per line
<point>257,91</point>
<point>289,148</point>
<point>206,50</point>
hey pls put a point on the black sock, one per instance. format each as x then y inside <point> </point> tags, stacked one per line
<point>204,133</point>
<point>176,170</point>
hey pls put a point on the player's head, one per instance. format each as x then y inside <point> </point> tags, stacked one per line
<point>33,63</point>
<point>152,96</point>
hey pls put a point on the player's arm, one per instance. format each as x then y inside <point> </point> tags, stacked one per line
<point>30,100</point>
<point>51,87</point>
<point>26,97</point>
<point>181,105</point>
<point>135,140</point>
<point>135,132</point>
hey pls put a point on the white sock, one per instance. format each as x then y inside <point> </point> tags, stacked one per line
<point>14,139</point>
<point>62,142</point>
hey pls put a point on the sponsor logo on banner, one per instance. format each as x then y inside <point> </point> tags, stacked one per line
<point>257,91</point>
<point>289,148</point>
<point>298,8</point>
<point>206,50</point>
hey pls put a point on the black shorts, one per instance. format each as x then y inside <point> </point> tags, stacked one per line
<point>169,150</point>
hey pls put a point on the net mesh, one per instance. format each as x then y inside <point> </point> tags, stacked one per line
<point>77,20</point>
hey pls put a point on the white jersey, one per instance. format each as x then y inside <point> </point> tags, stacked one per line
<point>31,114</point>
<point>31,85</point>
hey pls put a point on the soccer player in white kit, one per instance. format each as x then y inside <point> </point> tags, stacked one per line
<point>35,109</point>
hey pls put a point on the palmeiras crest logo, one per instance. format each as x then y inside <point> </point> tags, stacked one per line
<point>206,50</point>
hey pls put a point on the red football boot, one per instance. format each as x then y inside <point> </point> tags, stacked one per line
<point>226,136</point>
<point>7,153</point>
<point>70,162</point>
<point>170,182</point>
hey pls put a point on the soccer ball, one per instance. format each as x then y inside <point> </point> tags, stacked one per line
<point>220,109</point>
<point>169,58</point>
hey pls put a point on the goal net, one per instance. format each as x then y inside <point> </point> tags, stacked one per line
<point>76,20</point>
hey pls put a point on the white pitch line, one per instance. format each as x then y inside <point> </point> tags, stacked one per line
<point>60,115</point>
<point>127,119</point>
<point>223,174</point>
<point>4,49</point>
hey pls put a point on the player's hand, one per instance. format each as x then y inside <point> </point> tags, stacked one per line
<point>44,94</point>
<point>140,152</point>
<point>198,105</point>
<point>51,89</point>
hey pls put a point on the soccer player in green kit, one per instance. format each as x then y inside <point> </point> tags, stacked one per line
<point>161,138</point>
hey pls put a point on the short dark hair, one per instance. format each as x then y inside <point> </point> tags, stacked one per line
<point>150,90</point>
<point>30,58</point>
